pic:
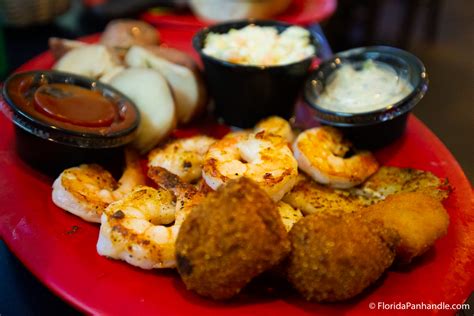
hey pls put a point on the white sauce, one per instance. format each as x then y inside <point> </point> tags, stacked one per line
<point>260,45</point>
<point>374,87</point>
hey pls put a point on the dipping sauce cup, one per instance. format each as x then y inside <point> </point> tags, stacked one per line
<point>245,94</point>
<point>63,120</point>
<point>385,123</point>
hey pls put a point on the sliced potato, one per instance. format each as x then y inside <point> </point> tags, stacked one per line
<point>187,86</point>
<point>175,56</point>
<point>111,73</point>
<point>93,61</point>
<point>181,58</point>
<point>60,46</point>
<point>153,97</point>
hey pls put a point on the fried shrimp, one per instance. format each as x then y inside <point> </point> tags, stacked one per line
<point>264,158</point>
<point>278,126</point>
<point>87,190</point>
<point>325,155</point>
<point>233,235</point>
<point>182,157</point>
<point>336,256</point>
<point>132,229</point>
<point>419,219</point>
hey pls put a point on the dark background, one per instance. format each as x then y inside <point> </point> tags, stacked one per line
<point>439,32</point>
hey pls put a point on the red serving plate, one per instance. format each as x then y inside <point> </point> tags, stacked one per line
<point>64,258</point>
<point>302,12</point>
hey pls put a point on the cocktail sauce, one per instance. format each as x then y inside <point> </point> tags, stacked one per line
<point>63,120</point>
<point>69,106</point>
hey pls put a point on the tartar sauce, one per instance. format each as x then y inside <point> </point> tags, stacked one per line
<point>373,87</point>
<point>260,45</point>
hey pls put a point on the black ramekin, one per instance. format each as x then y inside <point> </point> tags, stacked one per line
<point>244,94</point>
<point>375,128</point>
<point>51,149</point>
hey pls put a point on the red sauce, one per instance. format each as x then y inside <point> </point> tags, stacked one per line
<point>69,106</point>
<point>75,105</point>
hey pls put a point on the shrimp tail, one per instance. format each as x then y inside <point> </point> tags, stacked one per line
<point>133,174</point>
<point>169,181</point>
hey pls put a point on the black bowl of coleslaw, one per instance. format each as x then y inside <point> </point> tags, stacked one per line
<point>245,93</point>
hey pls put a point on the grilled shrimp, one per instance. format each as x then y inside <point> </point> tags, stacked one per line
<point>276,125</point>
<point>132,229</point>
<point>187,195</point>
<point>87,190</point>
<point>264,158</point>
<point>324,154</point>
<point>238,132</point>
<point>182,157</point>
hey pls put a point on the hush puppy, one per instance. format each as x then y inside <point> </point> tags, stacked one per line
<point>336,256</point>
<point>418,218</point>
<point>235,234</point>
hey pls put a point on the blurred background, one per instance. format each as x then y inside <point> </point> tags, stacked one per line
<point>439,32</point>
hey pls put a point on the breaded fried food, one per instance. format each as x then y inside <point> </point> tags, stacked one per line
<point>235,234</point>
<point>418,218</point>
<point>335,257</point>
<point>289,215</point>
<point>391,180</point>
<point>311,197</point>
